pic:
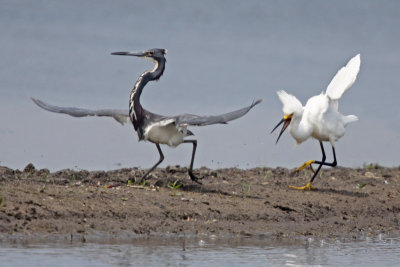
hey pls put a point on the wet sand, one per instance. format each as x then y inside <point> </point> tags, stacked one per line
<point>346,203</point>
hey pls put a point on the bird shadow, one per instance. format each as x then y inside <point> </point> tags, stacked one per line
<point>188,185</point>
<point>205,190</point>
<point>342,192</point>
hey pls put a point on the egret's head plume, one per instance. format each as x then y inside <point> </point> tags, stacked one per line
<point>291,105</point>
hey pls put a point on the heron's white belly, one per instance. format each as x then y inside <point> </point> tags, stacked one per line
<point>168,135</point>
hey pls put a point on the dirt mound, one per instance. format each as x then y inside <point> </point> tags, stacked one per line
<point>254,202</point>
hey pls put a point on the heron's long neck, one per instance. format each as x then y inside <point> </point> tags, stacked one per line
<point>136,111</point>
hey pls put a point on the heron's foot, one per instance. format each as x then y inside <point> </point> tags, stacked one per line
<point>307,163</point>
<point>141,181</point>
<point>306,187</point>
<point>194,178</point>
<point>134,181</point>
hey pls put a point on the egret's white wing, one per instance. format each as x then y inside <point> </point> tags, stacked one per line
<point>195,120</point>
<point>119,115</point>
<point>344,78</point>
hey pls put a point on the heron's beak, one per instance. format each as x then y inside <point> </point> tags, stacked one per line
<point>286,121</point>
<point>136,54</point>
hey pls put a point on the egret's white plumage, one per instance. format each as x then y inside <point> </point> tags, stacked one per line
<point>344,78</point>
<point>320,117</point>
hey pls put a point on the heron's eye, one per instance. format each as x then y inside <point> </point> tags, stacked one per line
<point>150,53</point>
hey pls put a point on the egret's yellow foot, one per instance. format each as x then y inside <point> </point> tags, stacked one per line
<point>307,163</point>
<point>306,187</point>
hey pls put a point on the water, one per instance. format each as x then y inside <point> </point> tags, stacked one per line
<point>221,56</point>
<point>197,252</point>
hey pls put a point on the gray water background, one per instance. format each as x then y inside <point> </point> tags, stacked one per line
<point>221,56</point>
<point>378,251</point>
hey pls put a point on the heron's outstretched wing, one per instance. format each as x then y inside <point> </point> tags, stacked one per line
<point>344,78</point>
<point>119,115</point>
<point>195,120</point>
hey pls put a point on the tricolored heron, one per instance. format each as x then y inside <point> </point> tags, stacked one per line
<point>149,126</point>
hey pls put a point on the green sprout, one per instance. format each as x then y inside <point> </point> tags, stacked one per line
<point>361,185</point>
<point>49,178</point>
<point>175,185</point>
<point>135,181</point>
<point>372,166</point>
<point>268,174</point>
<point>245,189</point>
<point>41,189</point>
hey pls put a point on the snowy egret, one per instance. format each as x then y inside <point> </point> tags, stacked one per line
<point>319,118</point>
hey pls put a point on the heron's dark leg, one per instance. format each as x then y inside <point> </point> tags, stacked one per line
<point>192,176</point>
<point>155,165</point>
<point>322,162</point>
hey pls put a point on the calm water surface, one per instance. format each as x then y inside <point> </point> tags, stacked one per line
<point>198,252</point>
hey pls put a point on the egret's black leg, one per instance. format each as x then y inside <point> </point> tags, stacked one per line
<point>333,164</point>
<point>155,165</point>
<point>192,176</point>
<point>322,162</point>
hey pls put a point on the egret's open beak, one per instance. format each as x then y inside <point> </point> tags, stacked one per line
<point>286,121</point>
<point>136,54</point>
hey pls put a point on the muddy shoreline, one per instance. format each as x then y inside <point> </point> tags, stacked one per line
<point>347,203</point>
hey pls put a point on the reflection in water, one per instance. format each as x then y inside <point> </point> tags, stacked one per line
<point>195,252</point>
